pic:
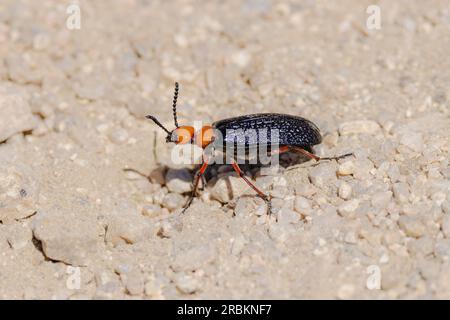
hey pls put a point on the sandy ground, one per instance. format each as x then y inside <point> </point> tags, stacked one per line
<point>75,224</point>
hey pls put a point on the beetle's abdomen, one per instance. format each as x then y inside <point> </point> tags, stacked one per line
<point>251,129</point>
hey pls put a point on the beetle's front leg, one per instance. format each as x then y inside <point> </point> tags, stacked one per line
<point>197,177</point>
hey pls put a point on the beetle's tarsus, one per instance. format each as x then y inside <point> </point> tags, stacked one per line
<point>338,157</point>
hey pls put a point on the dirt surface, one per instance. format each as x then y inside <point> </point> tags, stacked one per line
<point>75,223</point>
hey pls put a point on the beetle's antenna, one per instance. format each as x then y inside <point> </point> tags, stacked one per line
<point>174,105</point>
<point>158,123</point>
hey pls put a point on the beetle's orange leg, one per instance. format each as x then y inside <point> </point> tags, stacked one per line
<point>304,152</point>
<point>197,178</point>
<point>261,194</point>
<point>280,150</point>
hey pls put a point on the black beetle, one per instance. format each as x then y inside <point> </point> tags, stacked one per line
<point>295,134</point>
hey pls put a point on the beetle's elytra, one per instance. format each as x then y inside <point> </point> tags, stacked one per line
<point>294,134</point>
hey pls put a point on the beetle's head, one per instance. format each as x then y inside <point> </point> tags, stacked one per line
<point>185,134</point>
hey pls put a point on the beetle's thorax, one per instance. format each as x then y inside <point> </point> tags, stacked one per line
<point>188,135</point>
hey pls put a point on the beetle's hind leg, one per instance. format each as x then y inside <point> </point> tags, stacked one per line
<point>261,194</point>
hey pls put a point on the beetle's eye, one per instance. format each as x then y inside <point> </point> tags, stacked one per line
<point>183,134</point>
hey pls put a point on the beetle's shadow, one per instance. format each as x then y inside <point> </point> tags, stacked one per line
<point>286,160</point>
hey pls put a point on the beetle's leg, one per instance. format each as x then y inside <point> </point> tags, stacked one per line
<point>204,182</point>
<point>261,194</point>
<point>313,156</point>
<point>280,150</point>
<point>304,152</point>
<point>197,178</point>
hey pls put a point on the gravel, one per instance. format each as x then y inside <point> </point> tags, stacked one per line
<point>88,188</point>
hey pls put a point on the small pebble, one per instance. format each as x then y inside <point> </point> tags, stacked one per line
<point>187,284</point>
<point>173,201</point>
<point>412,226</point>
<point>381,199</point>
<point>247,206</point>
<point>348,208</point>
<point>346,168</point>
<point>401,191</point>
<point>151,210</point>
<point>301,204</point>
<point>178,180</point>
<point>345,190</point>
<point>322,175</point>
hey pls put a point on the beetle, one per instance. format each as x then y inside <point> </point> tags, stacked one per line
<point>295,134</point>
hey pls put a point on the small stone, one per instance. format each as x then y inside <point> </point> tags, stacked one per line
<point>345,190</point>
<point>412,226</point>
<point>16,115</point>
<point>133,281</point>
<point>153,288</point>
<point>421,247</point>
<point>187,284</point>
<point>348,208</point>
<point>445,226</point>
<point>241,58</point>
<point>412,140</point>
<point>18,236</point>
<point>119,136</point>
<point>247,206</point>
<point>279,192</point>
<point>346,168</point>
<point>127,226</point>
<point>19,192</point>
<point>109,290</point>
<point>401,191</point>
<point>281,232</point>
<point>302,205</point>
<point>173,201</point>
<point>151,210</point>
<point>179,180</point>
<point>359,126</point>
<point>322,175</point>
<point>350,237</point>
<point>67,236</point>
<point>228,187</point>
<point>381,199</point>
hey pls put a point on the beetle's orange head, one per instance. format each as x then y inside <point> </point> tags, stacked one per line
<point>184,134</point>
<point>181,135</point>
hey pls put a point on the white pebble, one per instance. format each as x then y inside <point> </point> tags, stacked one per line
<point>246,206</point>
<point>347,209</point>
<point>301,204</point>
<point>345,190</point>
<point>346,168</point>
<point>173,201</point>
<point>178,180</point>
